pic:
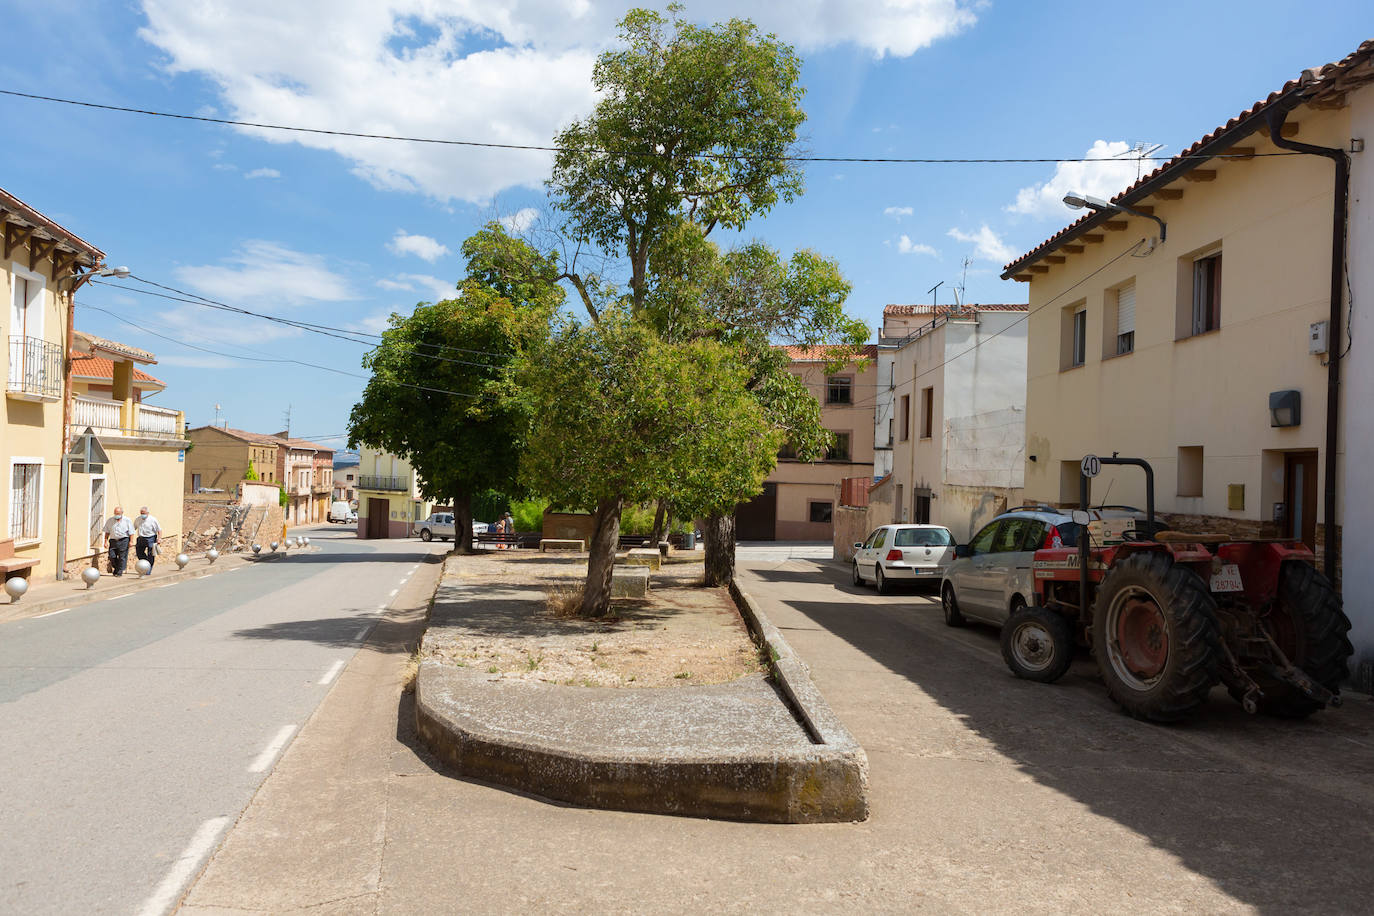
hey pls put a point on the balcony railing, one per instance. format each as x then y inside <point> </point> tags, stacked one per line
<point>374,482</point>
<point>156,422</point>
<point>103,416</point>
<point>35,369</point>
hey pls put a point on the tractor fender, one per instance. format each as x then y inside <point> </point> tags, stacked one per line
<point>1260,563</point>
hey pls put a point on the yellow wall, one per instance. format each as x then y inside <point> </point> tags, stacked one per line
<point>136,476</point>
<point>1272,218</point>
<point>222,460</point>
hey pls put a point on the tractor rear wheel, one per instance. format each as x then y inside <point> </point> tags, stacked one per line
<point>1155,637</point>
<point>1310,627</point>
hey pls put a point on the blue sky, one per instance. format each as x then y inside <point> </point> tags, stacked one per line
<point>344,232</point>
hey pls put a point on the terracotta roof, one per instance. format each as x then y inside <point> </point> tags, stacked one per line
<point>87,366</point>
<point>821,354</point>
<point>306,443</point>
<point>91,341</point>
<point>19,211</point>
<point>1293,93</point>
<point>899,310</point>
<point>245,435</point>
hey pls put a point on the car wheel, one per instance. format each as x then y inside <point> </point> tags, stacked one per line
<point>426,536</point>
<point>881,580</point>
<point>858,578</point>
<point>950,605</point>
<point>1037,644</point>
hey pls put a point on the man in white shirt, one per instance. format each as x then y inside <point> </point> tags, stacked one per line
<point>148,532</point>
<point>118,530</point>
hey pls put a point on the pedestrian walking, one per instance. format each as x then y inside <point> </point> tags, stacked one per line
<point>118,530</point>
<point>148,532</point>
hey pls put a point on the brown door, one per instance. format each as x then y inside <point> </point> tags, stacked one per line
<point>1300,496</point>
<point>378,517</point>
<point>757,520</point>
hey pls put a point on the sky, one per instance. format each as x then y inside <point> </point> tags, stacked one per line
<point>344,232</point>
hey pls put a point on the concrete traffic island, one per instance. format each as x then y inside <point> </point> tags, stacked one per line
<point>760,747</point>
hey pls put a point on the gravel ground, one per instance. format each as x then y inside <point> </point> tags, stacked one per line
<point>682,634</point>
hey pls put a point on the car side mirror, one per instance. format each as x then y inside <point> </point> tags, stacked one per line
<point>858,545</point>
<point>1080,517</point>
<point>963,550</point>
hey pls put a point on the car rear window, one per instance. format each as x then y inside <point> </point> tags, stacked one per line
<point>922,537</point>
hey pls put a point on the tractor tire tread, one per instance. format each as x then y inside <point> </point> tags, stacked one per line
<point>1326,651</point>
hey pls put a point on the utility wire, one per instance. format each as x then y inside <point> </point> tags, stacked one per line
<point>613,152</point>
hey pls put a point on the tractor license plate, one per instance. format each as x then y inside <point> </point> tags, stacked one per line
<point>1228,580</point>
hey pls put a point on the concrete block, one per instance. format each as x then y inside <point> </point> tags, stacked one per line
<point>630,583</point>
<point>643,556</point>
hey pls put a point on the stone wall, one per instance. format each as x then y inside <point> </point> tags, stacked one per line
<point>569,525</point>
<point>851,525</point>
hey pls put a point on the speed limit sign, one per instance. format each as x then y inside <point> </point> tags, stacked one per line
<point>1091,466</point>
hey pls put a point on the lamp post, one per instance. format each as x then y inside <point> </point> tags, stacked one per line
<point>1078,201</point>
<point>77,281</point>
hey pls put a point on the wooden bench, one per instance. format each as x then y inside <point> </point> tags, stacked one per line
<point>527,539</point>
<point>12,566</point>
<point>562,544</point>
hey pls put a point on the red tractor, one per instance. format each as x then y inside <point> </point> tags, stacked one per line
<point>1168,614</point>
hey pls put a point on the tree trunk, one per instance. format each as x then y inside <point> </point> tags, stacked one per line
<point>720,549</point>
<point>658,521</point>
<point>596,594</point>
<point>462,522</point>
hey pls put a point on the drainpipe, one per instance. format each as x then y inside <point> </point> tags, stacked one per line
<point>1333,363</point>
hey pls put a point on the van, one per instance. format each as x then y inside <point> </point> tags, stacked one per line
<point>339,511</point>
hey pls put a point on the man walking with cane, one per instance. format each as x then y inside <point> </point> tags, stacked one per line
<point>118,530</point>
<point>148,532</point>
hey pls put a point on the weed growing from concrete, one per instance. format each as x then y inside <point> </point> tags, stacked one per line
<point>564,601</point>
<point>682,676</point>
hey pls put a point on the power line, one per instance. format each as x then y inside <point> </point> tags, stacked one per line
<point>482,144</point>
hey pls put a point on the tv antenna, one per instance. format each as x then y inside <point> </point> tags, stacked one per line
<point>934,294</point>
<point>217,410</point>
<point>287,418</point>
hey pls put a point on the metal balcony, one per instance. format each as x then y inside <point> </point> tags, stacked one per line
<point>35,369</point>
<point>374,482</point>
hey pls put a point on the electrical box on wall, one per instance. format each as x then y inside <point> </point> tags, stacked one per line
<point>1317,344</point>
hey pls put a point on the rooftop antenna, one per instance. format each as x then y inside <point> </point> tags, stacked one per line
<point>1142,150</point>
<point>217,410</point>
<point>934,294</point>
<point>963,283</point>
<point>288,421</point>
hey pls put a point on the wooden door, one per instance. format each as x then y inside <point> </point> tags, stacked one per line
<point>1300,496</point>
<point>757,520</point>
<point>378,517</point>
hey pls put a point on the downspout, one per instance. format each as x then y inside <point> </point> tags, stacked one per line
<point>64,479</point>
<point>1333,364</point>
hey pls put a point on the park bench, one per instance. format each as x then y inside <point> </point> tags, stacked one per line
<point>12,566</point>
<point>518,539</point>
<point>562,544</point>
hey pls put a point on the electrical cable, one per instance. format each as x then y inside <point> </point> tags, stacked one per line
<point>613,152</point>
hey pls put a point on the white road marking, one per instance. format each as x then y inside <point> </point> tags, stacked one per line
<point>269,753</point>
<point>362,634</point>
<point>183,868</point>
<point>52,613</point>
<point>333,672</point>
<point>393,593</point>
<point>117,597</point>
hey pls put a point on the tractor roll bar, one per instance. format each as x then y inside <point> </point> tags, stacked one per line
<point>1083,501</point>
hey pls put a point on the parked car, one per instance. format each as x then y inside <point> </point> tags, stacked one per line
<point>438,525</point>
<point>906,553</point>
<point>990,578</point>
<point>339,511</point>
<point>480,528</point>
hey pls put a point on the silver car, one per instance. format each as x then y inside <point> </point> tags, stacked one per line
<point>439,525</point>
<point>906,553</point>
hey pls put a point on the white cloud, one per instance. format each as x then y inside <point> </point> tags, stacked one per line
<point>422,246</point>
<point>987,246</point>
<point>267,275</point>
<point>375,323</point>
<point>1098,179</point>
<point>906,246</point>
<point>511,72</point>
<point>421,283</point>
<point>897,212</point>
<point>262,173</point>
<point>520,220</point>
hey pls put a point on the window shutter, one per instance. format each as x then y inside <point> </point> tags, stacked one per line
<point>1125,310</point>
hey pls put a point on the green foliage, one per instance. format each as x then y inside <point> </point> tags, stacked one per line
<point>618,413</point>
<point>529,513</point>
<point>252,472</point>
<point>693,122</point>
<point>640,520</point>
<point>282,498</point>
<point>489,505</point>
<point>443,393</point>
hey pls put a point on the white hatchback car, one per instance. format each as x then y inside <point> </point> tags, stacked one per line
<point>904,553</point>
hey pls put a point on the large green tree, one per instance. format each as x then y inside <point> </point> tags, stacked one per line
<point>443,393</point>
<point>623,416</point>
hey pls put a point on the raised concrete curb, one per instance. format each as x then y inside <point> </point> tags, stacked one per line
<point>698,753</point>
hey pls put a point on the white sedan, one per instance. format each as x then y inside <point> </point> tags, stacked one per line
<point>903,553</point>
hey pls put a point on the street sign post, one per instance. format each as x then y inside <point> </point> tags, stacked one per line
<point>1091,466</point>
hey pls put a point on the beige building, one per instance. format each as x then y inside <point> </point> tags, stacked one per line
<point>957,386</point>
<point>389,500</point>
<point>306,470</point>
<point>798,500</point>
<point>39,263</point>
<point>222,455</point>
<point>1207,350</point>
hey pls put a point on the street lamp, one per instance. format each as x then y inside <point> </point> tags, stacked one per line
<point>1078,201</point>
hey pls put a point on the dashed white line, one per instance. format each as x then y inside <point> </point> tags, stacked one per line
<point>393,593</point>
<point>52,613</point>
<point>362,634</point>
<point>269,753</point>
<point>183,868</point>
<point>333,672</point>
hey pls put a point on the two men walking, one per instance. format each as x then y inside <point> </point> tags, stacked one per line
<point>120,529</point>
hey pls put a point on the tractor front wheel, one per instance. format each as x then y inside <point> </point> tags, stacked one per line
<point>1037,644</point>
<point>1310,627</point>
<point>1155,637</point>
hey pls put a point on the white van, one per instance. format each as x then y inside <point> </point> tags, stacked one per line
<point>340,512</point>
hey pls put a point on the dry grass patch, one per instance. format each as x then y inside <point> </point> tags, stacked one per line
<point>564,601</point>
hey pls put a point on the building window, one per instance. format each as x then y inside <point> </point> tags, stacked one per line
<point>1125,319</point>
<point>1073,335</point>
<point>1207,294</point>
<point>195,483</point>
<point>839,390</point>
<point>1190,470</point>
<point>922,513</point>
<point>820,512</point>
<point>839,451</point>
<point>906,417</point>
<point>927,412</point>
<point>787,452</point>
<point>889,430</point>
<point>26,495</point>
<point>1079,353</point>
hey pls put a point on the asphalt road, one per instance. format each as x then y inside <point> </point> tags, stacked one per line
<point>135,730</point>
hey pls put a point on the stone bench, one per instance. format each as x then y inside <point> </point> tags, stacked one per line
<point>644,556</point>
<point>562,544</point>
<point>629,583</point>
<point>12,566</point>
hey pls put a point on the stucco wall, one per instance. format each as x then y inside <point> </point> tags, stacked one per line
<point>137,475</point>
<point>569,525</point>
<point>851,527</point>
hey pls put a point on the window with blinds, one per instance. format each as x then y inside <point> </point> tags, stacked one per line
<point>25,492</point>
<point>1125,319</point>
